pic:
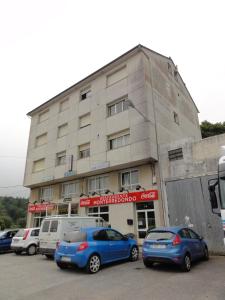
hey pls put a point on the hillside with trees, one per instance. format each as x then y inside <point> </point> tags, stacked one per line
<point>209,129</point>
<point>13,212</point>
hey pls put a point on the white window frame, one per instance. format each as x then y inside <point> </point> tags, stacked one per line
<point>61,156</point>
<point>38,137</point>
<point>118,140</point>
<point>88,123</point>
<point>39,170</point>
<point>116,105</point>
<point>49,194</point>
<point>86,91</point>
<point>64,108</point>
<point>97,184</point>
<point>98,213</point>
<point>130,186</point>
<point>84,151</point>
<point>43,113</point>
<point>60,127</point>
<point>71,194</point>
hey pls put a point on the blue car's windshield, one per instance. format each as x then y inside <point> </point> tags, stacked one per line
<point>160,235</point>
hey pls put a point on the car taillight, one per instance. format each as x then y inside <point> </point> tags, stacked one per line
<point>25,234</point>
<point>57,244</point>
<point>176,240</point>
<point>82,246</point>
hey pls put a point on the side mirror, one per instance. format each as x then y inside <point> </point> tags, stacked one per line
<point>125,238</point>
<point>201,238</point>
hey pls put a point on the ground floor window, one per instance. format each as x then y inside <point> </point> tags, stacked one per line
<point>99,211</point>
<point>63,208</point>
<point>145,218</point>
<point>37,219</point>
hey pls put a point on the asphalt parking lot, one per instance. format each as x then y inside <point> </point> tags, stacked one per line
<point>34,277</point>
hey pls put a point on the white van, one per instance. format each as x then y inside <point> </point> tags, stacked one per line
<point>53,229</point>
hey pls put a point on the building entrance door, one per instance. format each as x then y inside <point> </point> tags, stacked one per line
<point>145,218</point>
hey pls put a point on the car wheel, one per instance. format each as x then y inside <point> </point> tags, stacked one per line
<point>134,253</point>
<point>61,265</point>
<point>31,250</point>
<point>186,265</point>
<point>93,264</point>
<point>206,254</point>
<point>148,264</point>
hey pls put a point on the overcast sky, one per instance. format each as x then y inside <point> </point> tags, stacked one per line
<point>48,45</point>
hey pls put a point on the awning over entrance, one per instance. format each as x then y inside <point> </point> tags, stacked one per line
<point>120,198</point>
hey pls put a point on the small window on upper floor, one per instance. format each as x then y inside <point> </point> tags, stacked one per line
<point>85,93</point>
<point>175,154</point>
<point>61,158</point>
<point>129,179</point>
<point>62,130</point>
<point>39,165</point>
<point>85,120</point>
<point>41,140</point>
<point>118,140</point>
<point>84,150</point>
<point>117,106</point>
<point>43,116</point>
<point>176,118</point>
<point>46,193</point>
<point>64,105</point>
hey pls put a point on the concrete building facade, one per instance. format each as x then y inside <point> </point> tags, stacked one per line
<point>101,137</point>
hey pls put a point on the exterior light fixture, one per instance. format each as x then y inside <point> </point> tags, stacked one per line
<point>108,191</point>
<point>82,194</point>
<point>95,193</point>
<point>139,187</point>
<point>124,190</point>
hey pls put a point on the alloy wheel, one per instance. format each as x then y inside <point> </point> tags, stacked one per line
<point>94,264</point>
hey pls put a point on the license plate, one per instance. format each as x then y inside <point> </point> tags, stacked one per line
<point>158,246</point>
<point>65,259</point>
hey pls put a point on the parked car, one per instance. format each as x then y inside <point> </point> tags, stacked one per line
<point>26,240</point>
<point>6,239</point>
<point>90,248</point>
<point>54,228</point>
<point>178,245</point>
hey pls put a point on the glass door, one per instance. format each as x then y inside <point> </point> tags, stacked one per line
<point>145,218</point>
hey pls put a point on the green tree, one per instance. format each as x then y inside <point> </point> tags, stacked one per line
<point>209,129</point>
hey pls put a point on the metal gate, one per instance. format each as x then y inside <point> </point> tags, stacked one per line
<point>188,202</point>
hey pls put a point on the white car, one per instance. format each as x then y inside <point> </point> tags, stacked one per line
<point>26,240</point>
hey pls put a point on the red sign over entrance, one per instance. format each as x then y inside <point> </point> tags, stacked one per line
<point>36,208</point>
<point>139,196</point>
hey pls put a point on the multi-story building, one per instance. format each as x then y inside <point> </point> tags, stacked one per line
<point>93,148</point>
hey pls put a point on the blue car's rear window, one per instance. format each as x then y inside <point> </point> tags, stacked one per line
<point>160,235</point>
<point>75,237</point>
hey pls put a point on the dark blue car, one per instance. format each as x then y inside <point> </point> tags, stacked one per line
<point>6,239</point>
<point>177,245</point>
<point>90,248</point>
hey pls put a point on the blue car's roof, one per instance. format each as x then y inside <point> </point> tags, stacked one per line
<point>174,229</point>
<point>91,229</point>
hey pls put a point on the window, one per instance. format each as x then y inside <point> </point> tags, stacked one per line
<point>193,234</point>
<point>70,189</point>
<point>64,105</point>
<point>45,227</point>
<point>117,76</point>
<point>61,158</point>
<point>129,180</point>
<point>97,184</point>
<point>41,140</point>
<point>62,130</point>
<point>85,93</point>
<point>85,120</point>
<point>117,107</point>
<point>100,235</point>
<point>46,193</point>
<point>54,226</point>
<point>43,116</point>
<point>38,218</point>
<point>114,235</point>
<point>175,154</point>
<point>84,150</point>
<point>99,211</point>
<point>184,233</point>
<point>35,232</point>
<point>38,165</point>
<point>176,118</point>
<point>119,140</point>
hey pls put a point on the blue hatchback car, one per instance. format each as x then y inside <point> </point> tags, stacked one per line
<point>6,239</point>
<point>90,248</point>
<point>177,245</point>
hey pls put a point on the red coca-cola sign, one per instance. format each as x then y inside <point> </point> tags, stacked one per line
<point>40,207</point>
<point>121,198</point>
